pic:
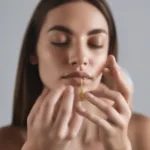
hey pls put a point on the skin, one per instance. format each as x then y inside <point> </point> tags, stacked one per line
<point>112,117</point>
<point>78,55</point>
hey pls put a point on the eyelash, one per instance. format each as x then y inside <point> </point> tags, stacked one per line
<point>59,44</point>
<point>66,44</point>
<point>96,46</point>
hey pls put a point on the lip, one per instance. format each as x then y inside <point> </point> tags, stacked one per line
<point>78,75</point>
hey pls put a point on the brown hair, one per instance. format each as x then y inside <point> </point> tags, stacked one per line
<point>28,84</point>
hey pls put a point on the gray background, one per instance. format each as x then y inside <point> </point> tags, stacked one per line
<point>132,19</point>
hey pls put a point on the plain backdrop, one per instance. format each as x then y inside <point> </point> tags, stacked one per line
<point>132,20</point>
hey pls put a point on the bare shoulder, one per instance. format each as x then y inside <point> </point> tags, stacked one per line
<point>11,138</point>
<point>140,127</point>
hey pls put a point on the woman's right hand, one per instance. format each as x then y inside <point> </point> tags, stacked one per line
<point>47,129</point>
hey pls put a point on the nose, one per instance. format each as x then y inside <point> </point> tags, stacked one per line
<point>78,58</point>
<point>78,61</point>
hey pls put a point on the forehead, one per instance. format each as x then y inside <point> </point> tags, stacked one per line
<point>78,16</point>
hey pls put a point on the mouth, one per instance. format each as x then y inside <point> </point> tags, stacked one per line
<point>75,81</point>
<point>78,75</point>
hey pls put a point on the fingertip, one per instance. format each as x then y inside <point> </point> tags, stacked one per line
<point>112,57</point>
<point>45,91</point>
<point>111,61</point>
<point>113,67</point>
<point>106,70</point>
<point>108,60</point>
<point>70,89</point>
<point>114,64</point>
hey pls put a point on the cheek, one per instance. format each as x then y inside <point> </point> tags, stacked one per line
<point>99,63</point>
<point>47,69</point>
<point>45,74</point>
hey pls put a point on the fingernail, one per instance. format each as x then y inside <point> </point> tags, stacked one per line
<point>88,95</point>
<point>70,89</point>
<point>107,71</point>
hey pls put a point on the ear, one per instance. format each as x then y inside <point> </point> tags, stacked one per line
<point>33,60</point>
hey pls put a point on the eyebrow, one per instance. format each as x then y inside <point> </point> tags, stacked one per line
<point>68,31</point>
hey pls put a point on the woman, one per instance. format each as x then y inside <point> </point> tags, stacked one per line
<point>71,45</point>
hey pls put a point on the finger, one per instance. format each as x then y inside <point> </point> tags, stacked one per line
<point>115,96</point>
<point>101,122</point>
<point>46,114</point>
<point>37,105</point>
<point>111,113</point>
<point>123,82</point>
<point>75,124</point>
<point>65,110</point>
<point>107,72</point>
<point>120,102</point>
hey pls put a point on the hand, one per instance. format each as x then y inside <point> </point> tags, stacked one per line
<point>113,128</point>
<point>48,129</point>
<point>119,79</point>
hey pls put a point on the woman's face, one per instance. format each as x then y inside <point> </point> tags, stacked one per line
<point>74,38</point>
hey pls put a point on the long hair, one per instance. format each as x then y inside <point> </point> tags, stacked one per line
<point>28,85</point>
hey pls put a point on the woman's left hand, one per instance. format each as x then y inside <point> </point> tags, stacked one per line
<point>113,128</point>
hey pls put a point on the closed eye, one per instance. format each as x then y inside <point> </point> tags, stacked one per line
<point>66,44</point>
<point>96,46</point>
<point>59,44</point>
